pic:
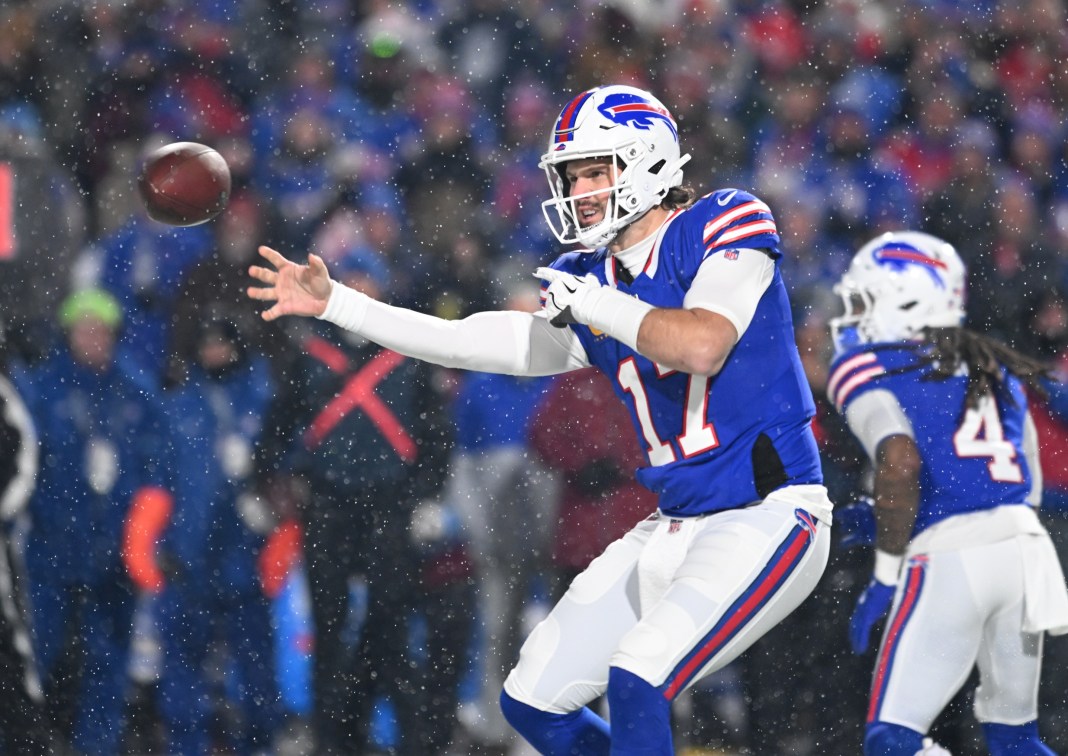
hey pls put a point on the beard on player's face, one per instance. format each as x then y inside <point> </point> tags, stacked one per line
<point>591,210</point>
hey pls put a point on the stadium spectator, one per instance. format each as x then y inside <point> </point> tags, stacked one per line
<point>142,264</point>
<point>364,428</point>
<point>211,288</point>
<point>209,545</point>
<point>962,210</point>
<point>1016,265</point>
<point>103,431</point>
<point>489,45</point>
<point>37,250</point>
<point>598,499</point>
<point>518,185</point>
<point>505,498</point>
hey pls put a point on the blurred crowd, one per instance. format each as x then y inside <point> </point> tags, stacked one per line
<point>192,453</point>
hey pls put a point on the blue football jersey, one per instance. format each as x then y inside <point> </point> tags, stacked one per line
<point>971,460</point>
<point>723,441</point>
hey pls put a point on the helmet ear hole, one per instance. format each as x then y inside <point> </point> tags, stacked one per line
<point>657,167</point>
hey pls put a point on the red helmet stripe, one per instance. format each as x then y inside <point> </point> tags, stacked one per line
<point>908,256</point>
<point>566,122</point>
<point>642,107</point>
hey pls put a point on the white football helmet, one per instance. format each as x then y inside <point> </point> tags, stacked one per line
<point>637,133</point>
<point>897,285</point>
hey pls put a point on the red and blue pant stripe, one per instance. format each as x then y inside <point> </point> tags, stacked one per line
<point>778,570</point>
<point>914,579</point>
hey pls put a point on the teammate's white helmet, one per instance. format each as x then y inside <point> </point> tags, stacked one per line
<point>897,285</point>
<point>637,133</point>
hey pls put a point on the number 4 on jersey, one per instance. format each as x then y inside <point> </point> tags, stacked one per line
<point>982,435</point>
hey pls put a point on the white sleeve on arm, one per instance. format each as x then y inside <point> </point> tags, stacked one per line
<point>875,415</point>
<point>511,342</point>
<point>1034,464</point>
<point>732,288</point>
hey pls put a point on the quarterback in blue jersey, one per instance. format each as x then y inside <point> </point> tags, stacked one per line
<point>960,552</point>
<point>680,302</point>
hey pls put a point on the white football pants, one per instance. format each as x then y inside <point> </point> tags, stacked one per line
<point>953,610</point>
<point>676,599</point>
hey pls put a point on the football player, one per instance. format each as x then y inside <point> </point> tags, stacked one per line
<point>23,720</point>
<point>681,303</point>
<point>961,556</point>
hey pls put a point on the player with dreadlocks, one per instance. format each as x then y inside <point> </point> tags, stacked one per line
<point>986,360</point>
<point>960,553</point>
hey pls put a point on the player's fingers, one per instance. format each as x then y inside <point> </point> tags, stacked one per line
<point>548,274</point>
<point>271,314</point>
<point>263,274</point>
<point>274,257</point>
<point>264,293</point>
<point>316,264</point>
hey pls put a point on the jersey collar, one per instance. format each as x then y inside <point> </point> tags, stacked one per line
<point>638,258</point>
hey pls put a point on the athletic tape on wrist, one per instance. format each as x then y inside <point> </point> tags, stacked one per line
<point>887,567</point>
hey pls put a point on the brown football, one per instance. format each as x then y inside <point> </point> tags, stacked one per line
<point>184,183</point>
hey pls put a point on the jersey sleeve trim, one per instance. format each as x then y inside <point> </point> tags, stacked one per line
<point>745,221</point>
<point>744,232</point>
<point>851,374</point>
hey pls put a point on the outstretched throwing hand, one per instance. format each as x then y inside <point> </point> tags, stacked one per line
<point>295,289</point>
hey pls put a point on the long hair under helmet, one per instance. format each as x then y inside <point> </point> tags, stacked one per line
<point>637,134</point>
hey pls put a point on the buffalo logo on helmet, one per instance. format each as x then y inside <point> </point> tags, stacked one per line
<point>897,256</point>
<point>631,110</point>
<point>622,108</point>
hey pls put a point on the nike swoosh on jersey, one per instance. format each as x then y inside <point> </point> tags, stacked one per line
<point>722,201</point>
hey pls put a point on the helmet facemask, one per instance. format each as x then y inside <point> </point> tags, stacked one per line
<point>620,201</point>
<point>848,330</point>
<point>634,133</point>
